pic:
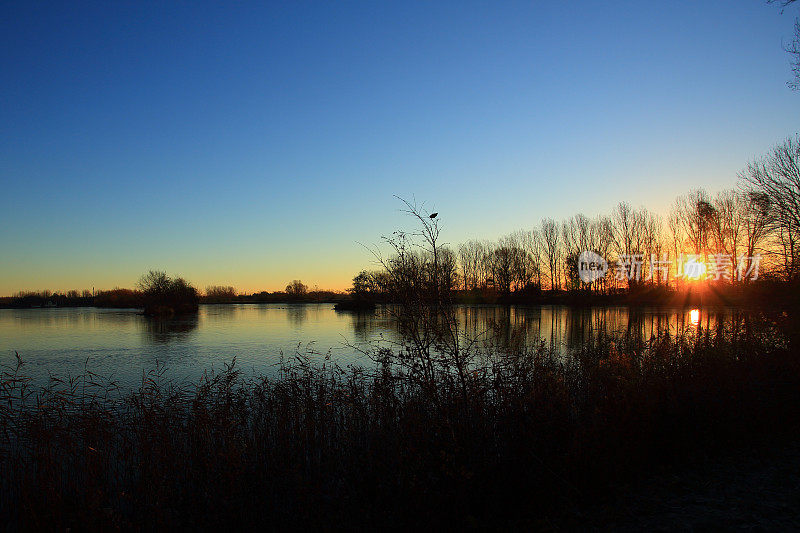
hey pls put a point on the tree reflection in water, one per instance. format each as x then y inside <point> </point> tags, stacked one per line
<point>560,328</point>
<point>166,330</point>
<point>297,314</point>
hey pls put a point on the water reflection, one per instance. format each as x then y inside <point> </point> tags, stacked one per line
<point>565,328</point>
<point>58,341</point>
<point>222,311</point>
<point>559,328</point>
<point>76,317</point>
<point>361,323</point>
<point>368,326</point>
<point>167,330</point>
<point>694,317</point>
<point>296,315</point>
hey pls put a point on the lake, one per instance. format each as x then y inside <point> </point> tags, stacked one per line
<point>123,343</point>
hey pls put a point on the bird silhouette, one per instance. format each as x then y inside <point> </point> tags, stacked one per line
<point>433,215</point>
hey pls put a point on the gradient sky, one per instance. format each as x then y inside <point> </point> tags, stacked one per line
<point>242,144</point>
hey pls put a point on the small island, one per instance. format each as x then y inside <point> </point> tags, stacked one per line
<point>163,296</point>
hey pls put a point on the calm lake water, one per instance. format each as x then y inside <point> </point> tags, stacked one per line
<point>123,343</point>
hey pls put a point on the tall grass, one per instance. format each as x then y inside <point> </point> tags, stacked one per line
<point>524,436</point>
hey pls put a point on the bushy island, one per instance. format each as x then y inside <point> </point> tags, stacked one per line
<point>163,296</point>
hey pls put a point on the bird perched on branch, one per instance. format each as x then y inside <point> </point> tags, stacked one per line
<point>432,215</point>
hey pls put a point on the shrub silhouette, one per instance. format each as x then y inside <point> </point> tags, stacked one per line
<point>165,296</point>
<point>296,290</point>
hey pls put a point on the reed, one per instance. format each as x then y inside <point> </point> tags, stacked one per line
<point>523,436</point>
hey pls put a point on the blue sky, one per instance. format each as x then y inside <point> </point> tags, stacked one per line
<point>252,144</point>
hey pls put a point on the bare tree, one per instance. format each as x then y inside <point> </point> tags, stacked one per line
<point>653,244</point>
<point>448,269</point>
<point>628,233</point>
<point>625,229</point>
<point>756,225</point>
<point>602,238</point>
<point>220,293</point>
<point>776,177</point>
<point>533,244</point>
<point>696,216</point>
<point>728,223</point>
<point>469,257</point>
<point>433,346</point>
<point>296,289</point>
<point>155,281</point>
<point>466,264</point>
<point>503,269</point>
<point>550,245</point>
<point>577,236</point>
<point>677,236</point>
<point>793,48</point>
<point>522,267</point>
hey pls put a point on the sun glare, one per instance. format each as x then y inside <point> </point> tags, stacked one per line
<point>694,316</point>
<point>694,269</point>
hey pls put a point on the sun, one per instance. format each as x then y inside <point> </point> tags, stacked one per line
<point>694,269</point>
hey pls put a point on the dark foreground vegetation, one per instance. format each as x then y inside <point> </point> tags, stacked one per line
<point>522,438</point>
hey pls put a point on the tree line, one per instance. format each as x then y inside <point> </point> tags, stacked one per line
<point>738,234</point>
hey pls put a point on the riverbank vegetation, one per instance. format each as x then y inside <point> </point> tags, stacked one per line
<point>520,437</point>
<point>157,294</point>
<point>134,298</point>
